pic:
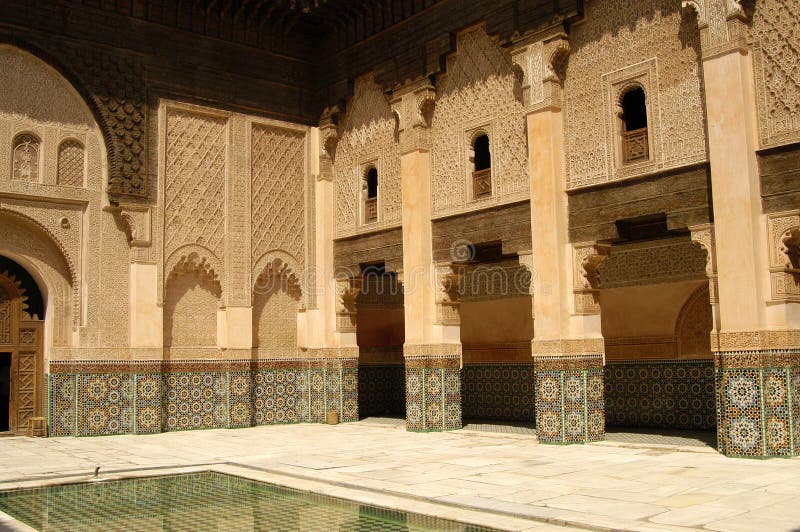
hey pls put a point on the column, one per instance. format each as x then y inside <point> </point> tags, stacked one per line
<point>327,328</point>
<point>432,348</point>
<point>568,345</point>
<point>757,351</point>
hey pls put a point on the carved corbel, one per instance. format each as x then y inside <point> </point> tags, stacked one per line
<point>136,220</point>
<point>448,294</point>
<point>329,131</point>
<point>699,8</point>
<point>703,235</point>
<point>735,10</point>
<point>347,290</point>
<point>784,255</point>
<point>587,259</point>
<point>413,107</point>
<point>539,62</point>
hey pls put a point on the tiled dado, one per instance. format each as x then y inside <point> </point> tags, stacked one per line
<point>758,394</point>
<point>569,398</point>
<point>89,398</point>
<point>498,391</point>
<point>433,393</point>
<point>676,394</point>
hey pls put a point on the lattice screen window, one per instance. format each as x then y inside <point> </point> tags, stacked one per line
<point>635,145</point>
<point>481,159</point>
<point>71,163</point>
<point>26,160</point>
<point>371,195</point>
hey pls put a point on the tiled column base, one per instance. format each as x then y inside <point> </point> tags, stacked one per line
<point>569,398</point>
<point>758,403</point>
<point>100,398</point>
<point>433,393</point>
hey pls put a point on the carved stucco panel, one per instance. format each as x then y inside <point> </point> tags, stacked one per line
<point>195,166</point>
<point>278,192</point>
<point>619,34</point>
<point>478,90</point>
<point>367,134</point>
<point>774,32</point>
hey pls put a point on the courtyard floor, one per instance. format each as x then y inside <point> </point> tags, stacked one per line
<point>501,479</point>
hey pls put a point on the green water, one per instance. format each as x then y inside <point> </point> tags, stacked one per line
<point>203,501</point>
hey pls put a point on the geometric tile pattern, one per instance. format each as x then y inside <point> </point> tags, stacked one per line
<point>381,391</point>
<point>676,394</point>
<point>62,405</point>
<point>569,400</point>
<point>759,407</point>
<point>148,400</point>
<point>105,404</point>
<point>498,391</point>
<point>195,400</point>
<point>106,398</point>
<point>433,394</point>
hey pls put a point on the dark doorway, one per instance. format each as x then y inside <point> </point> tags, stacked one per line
<point>5,390</point>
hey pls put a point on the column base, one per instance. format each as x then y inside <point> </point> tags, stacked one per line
<point>758,403</point>
<point>569,398</point>
<point>433,393</point>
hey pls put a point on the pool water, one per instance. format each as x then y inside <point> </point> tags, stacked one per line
<point>203,501</point>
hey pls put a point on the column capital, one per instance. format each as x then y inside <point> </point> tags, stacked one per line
<point>413,106</point>
<point>539,60</point>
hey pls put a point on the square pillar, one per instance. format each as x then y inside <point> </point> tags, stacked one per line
<point>569,396</point>
<point>433,387</point>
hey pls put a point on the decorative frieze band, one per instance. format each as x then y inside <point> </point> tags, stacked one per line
<point>432,350</point>
<point>568,347</point>
<point>756,340</point>
<point>194,366</point>
<point>566,363</point>
<point>758,359</point>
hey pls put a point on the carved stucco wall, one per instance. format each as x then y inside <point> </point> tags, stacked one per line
<point>646,41</point>
<point>776,52</point>
<point>663,261</point>
<point>275,322</point>
<point>234,210</point>
<point>278,197</point>
<point>190,311</point>
<point>57,222</point>
<point>477,94</point>
<point>367,137</point>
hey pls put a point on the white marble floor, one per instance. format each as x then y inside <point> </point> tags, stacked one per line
<point>499,478</point>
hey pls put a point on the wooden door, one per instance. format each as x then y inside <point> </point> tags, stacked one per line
<point>23,338</point>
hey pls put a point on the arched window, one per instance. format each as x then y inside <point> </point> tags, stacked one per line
<point>371,195</point>
<point>635,146</point>
<point>26,158</point>
<point>70,163</point>
<point>482,173</point>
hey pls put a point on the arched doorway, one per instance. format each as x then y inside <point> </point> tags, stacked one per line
<point>21,340</point>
